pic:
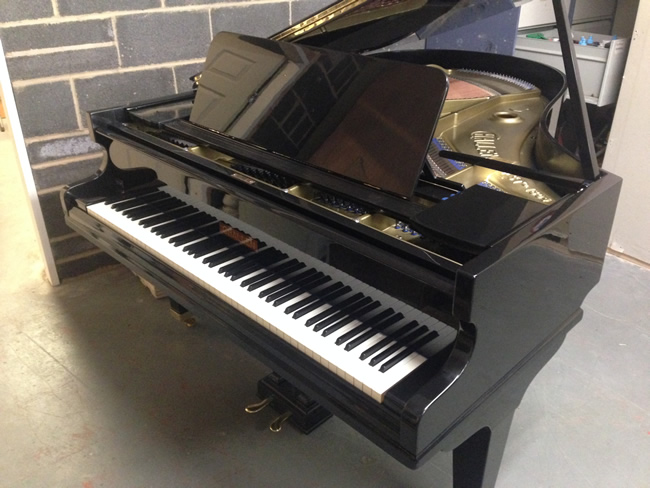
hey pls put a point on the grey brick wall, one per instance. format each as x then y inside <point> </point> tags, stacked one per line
<point>69,56</point>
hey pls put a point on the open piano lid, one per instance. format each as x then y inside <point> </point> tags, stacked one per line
<point>367,25</point>
<point>356,107</point>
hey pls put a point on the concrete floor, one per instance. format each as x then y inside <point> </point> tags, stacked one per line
<point>102,388</point>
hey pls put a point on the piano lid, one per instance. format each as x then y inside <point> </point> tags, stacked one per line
<point>367,119</point>
<point>360,26</point>
<point>367,25</point>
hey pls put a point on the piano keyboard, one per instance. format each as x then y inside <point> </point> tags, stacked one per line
<point>366,337</point>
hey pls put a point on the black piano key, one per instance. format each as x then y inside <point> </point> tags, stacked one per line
<point>226,255</point>
<point>233,251</point>
<point>296,284</point>
<point>347,314</point>
<point>131,195</point>
<point>429,349</point>
<point>182,224</point>
<point>246,265</point>
<point>154,208</point>
<point>167,216</point>
<point>373,330</point>
<point>365,324</point>
<point>343,311</point>
<point>270,271</point>
<point>413,334</point>
<point>195,234</point>
<point>335,306</point>
<point>274,275</point>
<point>315,295</point>
<point>290,285</point>
<point>136,202</point>
<point>391,337</point>
<point>216,241</point>
<point>335,291</point>
<point>146,206</point>
<point>377,347</point>
<point>353,316</point>
<point>248,261</point>
<point>421,342</point>
<point>288,282</point>
<point>304,288</point>
<point>263,262</point>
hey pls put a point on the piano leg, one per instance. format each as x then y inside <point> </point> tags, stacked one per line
<point>476,461</point>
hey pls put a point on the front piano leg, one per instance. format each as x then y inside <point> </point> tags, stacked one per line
<point>476,461</point>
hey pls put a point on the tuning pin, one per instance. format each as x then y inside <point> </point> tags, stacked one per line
<point>257,407</point>
<point>276,425</point>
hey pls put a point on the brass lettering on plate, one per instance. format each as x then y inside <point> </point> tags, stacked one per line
<point>485,143</point>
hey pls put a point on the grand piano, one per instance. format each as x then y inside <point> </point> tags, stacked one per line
<point>396,234</point>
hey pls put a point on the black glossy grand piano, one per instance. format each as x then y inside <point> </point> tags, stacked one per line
<point>398,235</point>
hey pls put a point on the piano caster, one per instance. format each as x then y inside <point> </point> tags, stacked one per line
<point>304,413</point>
<point>181,314</point>
<point>276,425</point>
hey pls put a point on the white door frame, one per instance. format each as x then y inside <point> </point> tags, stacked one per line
<point>26,170</point>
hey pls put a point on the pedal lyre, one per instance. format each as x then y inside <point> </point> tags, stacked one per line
<point>292,404</point>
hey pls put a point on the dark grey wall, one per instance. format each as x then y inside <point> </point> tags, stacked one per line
<point>69,56</point>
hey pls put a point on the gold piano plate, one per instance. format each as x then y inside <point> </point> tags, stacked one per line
<point>492,116</point>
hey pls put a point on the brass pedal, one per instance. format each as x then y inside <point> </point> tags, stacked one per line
<point>259,406</point>
<point>292,404</point>
<point>276,425</point>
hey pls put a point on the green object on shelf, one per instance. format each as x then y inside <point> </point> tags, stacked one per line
<point>536,35</point>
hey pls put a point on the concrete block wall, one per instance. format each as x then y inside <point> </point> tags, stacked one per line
<point>66,57</point>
